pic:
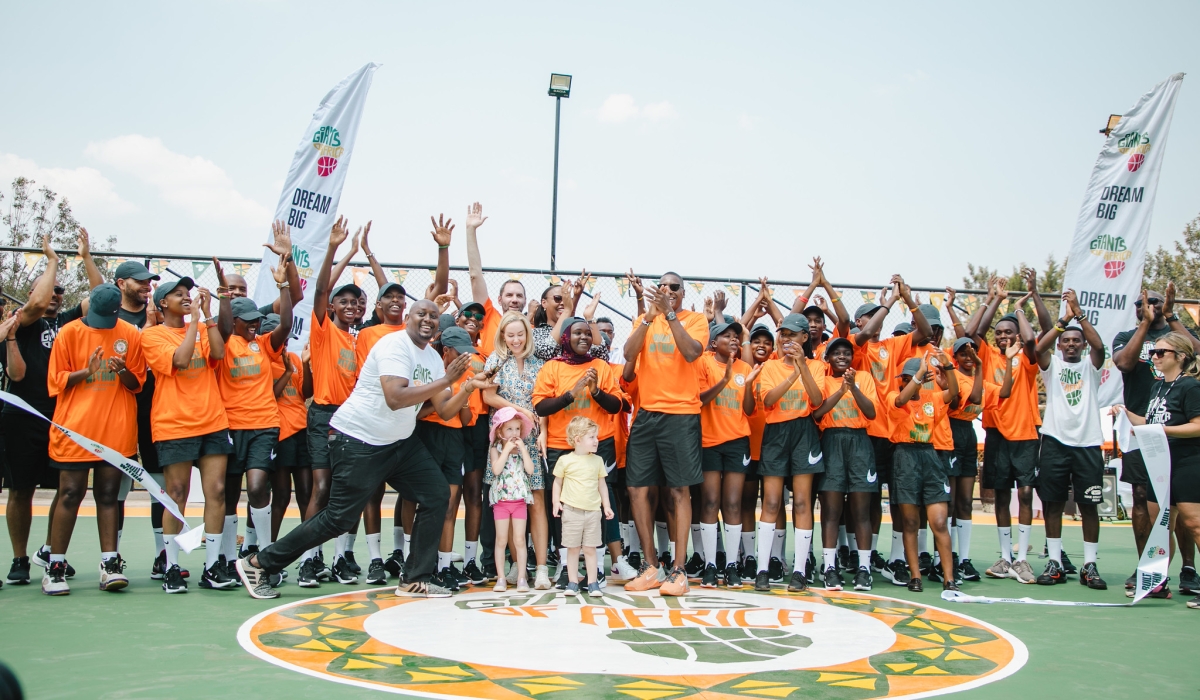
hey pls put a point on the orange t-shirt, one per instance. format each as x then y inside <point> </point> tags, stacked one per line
<point>917,421</point>
<point>846,414</point>
<point>723,419</point>
<point>293,414</point>
<point>669,383</point>
<point>757,420</point>
<point>487,332</point>
<point>966,411</point>
<point>100,407</point>
<point>555,379</point>
<point>1017,416</point>
<point>455,421</point>
<point>794,403</point>
<point>247,389</point>
<point>187,402</point>
<point>334,363</point>
<point>882,358</point>
<point>621,420</point>
<point>475,401</point>
<point>367,338</point>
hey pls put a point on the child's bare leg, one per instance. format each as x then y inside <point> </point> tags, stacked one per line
<point>520,553</point>
<point>572,562</point>
<point>501,544</point>
<point>589,558</point>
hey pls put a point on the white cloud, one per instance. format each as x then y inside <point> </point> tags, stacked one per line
<point>88,191</point>
<point>660,111</point>
<point>193,183</point>
<point>747,122</point>
<point>622,108</point>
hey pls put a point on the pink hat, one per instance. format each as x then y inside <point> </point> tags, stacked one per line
<point>506,414</point>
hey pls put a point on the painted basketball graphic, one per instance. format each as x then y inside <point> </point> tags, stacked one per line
<point>325,165</point>
<point>1135,161</point>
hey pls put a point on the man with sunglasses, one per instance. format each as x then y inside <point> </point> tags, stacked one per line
<point>1131,354</point>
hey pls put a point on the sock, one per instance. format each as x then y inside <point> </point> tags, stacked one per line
<point>350,537</point>
<point>954,538</point>
<point>778,543</point>
<point>262,523</point>
<point>720,540</point>
<point>58,557</point>
<point>171,549</point>
<point>1054,548</point>
<point>897,547</point>
<point>830,557</point>
<point>843,540</point>
<point>1090,551</point>
<point>407,543</point>
<point>1005,534</point>
<point>732,535</point>
<point>708,541</point>
<point>159,545</point>
<point>105,556</point>
<point>765,538</point>
<point>251,532</point>
<point>803,546</point>
<point>635,542</point>
<point>229,537</point>
<point>875,542</point>
<point>1023,540</point>
<point>373,546</point>
<point>698,543</point>
<point>660,535</point>
<point>562,556</point>
<point>443,560</point>
<point>923,540</point>
<point>963,528</point>
<point>339,547</point>
<point>748,543</point>
<point>471,551</point>
<point>864,559</point>
<point>671,549</point>
<point>212,549</point>
<point>397,538</point>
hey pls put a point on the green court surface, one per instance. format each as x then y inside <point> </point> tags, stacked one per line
<point>143,643</point>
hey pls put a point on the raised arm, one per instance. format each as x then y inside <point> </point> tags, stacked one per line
<point>1045,320</point>
<point>95,279</point>
<point>42,292</point>
<point>637,337</point>
<point>875,323</point>
<point>998,295</point>
<point>1028,337</point>
<point>14,363</point>
<point>376,269</point>
<point>475,219</point>
<point>922,330</point>
<point>1173,320</point>
<point>279,336</point>
<point>442,232</point>
<point>337,236</point>
<point>959,331</point>
<point>341,265</point>
<point>280,385</point>
<point>841,317</point>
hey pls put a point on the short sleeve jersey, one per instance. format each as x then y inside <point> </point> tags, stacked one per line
<point>34,342</point>
<point>795,401</point>
<point>491,324</point>
<point>334,363</point>
<point>557,378</point>
<point>881,358</point>
<point>915,421</point>
<point>1139,382</point>
<point>669,383</point>
<point>724,418</point>
<point>1176,403</point>
<point>187,402</point>
<point>581,476</point>
<point>846,414</point>
<point>365,415</point>
<point>293,414</point>
<point>1017,417</point>
<point>99,407</point>
<point>367,338</point>
<point>247,388</point>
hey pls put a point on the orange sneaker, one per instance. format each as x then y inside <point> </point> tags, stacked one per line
<point>676,583</point>
<point>646,579</point>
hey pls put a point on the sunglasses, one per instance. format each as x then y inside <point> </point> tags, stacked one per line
<point>1160,352</point>
<point>59,290</point>
<point>673,286</point>
<point>1153,301</point>
<point>557,298</point>
<point>472,314</point>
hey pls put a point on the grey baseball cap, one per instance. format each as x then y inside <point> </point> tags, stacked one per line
<point>795,323</point>
<point>132,269</point>
<point>269,323</point>
<point>167,287</point>
<point>931,314</point>
<point>911,365</point>
<point>245,309</point>
<point>962,343</point>
<point>718,328</point>
<point>866,310</point>
<point>457,338</point>
<point>902,328</point>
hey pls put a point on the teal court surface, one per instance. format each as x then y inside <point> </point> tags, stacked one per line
<point>342,641</point>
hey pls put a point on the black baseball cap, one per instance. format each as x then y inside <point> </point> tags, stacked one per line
<point>353,288</point>
<point>761,329</point>
<point>132,269</point>
<point>269,323</point>
<point>866,310</point>
<point>718,328</point>
<point>837,343</point>
<point>245,309</point>
<point>962,343</point>
<point>389,287</point>
<point>103,304</point>
<point>167,287</point>
<point>457,338</point>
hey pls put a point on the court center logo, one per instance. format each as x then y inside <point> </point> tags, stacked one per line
<point>328,143</point>
<point>720,642</point>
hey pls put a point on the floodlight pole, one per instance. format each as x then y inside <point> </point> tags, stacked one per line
<point>554,206</point>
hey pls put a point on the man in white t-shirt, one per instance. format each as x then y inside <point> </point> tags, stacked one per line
<point>1071,449</point>
<point>370,443</point>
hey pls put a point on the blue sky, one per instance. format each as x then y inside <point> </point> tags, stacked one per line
<point>707,138</point>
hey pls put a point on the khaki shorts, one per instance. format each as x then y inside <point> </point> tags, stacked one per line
<point>580,528</point>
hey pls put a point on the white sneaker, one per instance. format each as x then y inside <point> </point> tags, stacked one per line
<point>54,581</point>
<point>624,570</point>
<point>1022,572</point>
<point>456,557</point>
<point>511,577</point>
<point>112,577</point>
<point>542,581</point>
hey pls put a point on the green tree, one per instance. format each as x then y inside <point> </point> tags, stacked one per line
<point>32,213</point>
<point>1181,266</point>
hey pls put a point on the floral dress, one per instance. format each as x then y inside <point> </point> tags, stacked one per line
<point>513,482</point>
<point>516,387</point>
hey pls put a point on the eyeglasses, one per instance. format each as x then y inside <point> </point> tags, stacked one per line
<point>1160,352</point>
<point>673,286</point>
<point>557,298</point>
<point>1153,301</point>
<point>472,314</point>
<point>59,290</point>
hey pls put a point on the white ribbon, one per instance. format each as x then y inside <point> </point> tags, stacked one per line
<point>960,597</point>
<point>1151,440</point>
<point>188,538</point>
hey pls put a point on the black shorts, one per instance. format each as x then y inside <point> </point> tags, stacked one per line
<point>292,452</point>
<point>849,461</point>
<point>1185,481</point>
<point>732,456</point>
<point>475,437</point>
<point>193,448</point>
<point>27,452</point>
<point>883,449</point>
<point>446,446</point>
<point>1061,467</point>
<point>918,476</point>
<point>1014,461</point>
<point>1133,469</point>
<point>790,448</point>
<point>253,449</point>
<point>319,415</point>
<point>966,448</point>
<point>147,452</point>
<point>664,448</point>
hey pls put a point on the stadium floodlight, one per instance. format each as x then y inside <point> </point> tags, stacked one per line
<point>1112,124</point>
<point>560,85</point>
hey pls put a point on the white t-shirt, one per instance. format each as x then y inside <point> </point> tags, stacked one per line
<point>365,415</point>
<point>1072,408</point>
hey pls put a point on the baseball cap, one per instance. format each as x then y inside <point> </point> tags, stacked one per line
<point>865,310</point>
<point>931,314</point>
<point>357,290</point>
<point>718,328</point>
<point>761,329</point>
<point>837,343</point>
<point>167,287</point>
<point>389,287</point>
<point>902,328</point>
<point>135,270</point>
<point>962,343</point>
<point>269,323</point>
<point>813,309</point>
<point>472,305</point>
<point>103,304</point>
<point>245,309</point>
<point>445,321</point>
<point>911,365</point>
<point>1011,318</point>
<point>795,323</point>
<point>457,338</point>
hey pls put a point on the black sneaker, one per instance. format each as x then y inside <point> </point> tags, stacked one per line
<point>1067,566</point>
<point>159,568</point>
<point>935,574</point>
<point>915,585</point>
<point>473,575</point>
<point>551,558</point>
<point>489,572</point>
<point>230,569</point>
<point>324,573</point>
<point>775,569</point>
<point>897,572</point>
<point>833,580</point>
<point>798,582</point>
<point>733,577</point>
<point>709,577</point>
<point>853,560</point>
<point>307,578</point>
<point>749,567</point>
<point>342,573</point>
<point>217,578</point>
<point>376,574</point>
<point>762,581</point>
<point>842,560</point>
<point>446,579</point>
<point>1161,591</point>
<point>665,562</point>
<point>925,561</point>
<point>173,581</point>
<point>349,557</point>
<point>459,577</point>
<point>877,561</point>
<point>563,579</point>
<point>395,564</point>
<point>862,579</point>
<point>814,574</point>
<point>1131,582</point>
<point>247,550</point>
<point>695,566</point>
<point>1091,577</point>
<point>1052,574</point>
<point>18,575</point>
<point>1189,580</point>
<point>635,560</point>
<point>721,561</point>
<point>70,571</point>
<point>1194,603</point>
<point>949,586</point>
<point>967,571</point>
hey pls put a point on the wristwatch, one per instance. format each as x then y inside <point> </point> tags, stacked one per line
<point>671,316</point>
<point>1171,319</point>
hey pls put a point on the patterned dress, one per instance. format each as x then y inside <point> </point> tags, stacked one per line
<point>513,482</point>
<point>516,387</point>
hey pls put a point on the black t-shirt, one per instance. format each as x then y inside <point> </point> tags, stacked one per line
<point>1139,383</point>
<point>1176,403</point>
<point>34,342</point>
